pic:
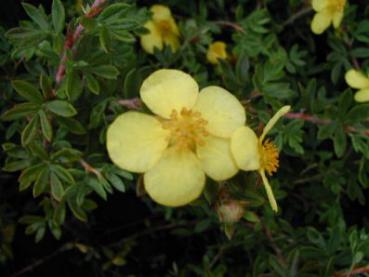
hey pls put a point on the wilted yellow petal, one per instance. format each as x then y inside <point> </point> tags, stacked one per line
<point>281,112</point>
<point>362,95</point>
<point>166,90</point>
<point>319,5</point>
<point>356,79</point>
<point>245,149</point>
<point>221,109</point>
<point>217,50</point>
<point>136,141</point>
<point>176,180</point>
<point>216,158</point>
<point>321,21</point>
<point>152,39</point>
<point>269,191</point>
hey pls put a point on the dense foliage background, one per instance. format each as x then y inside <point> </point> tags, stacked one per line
<point>65,209</point>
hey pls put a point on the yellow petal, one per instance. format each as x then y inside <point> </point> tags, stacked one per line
<point>216,158</point>
<point>356,79</point>
<point>337,19</point>
<point>319,5</point>
<point>221,109</point>
<point>269,191</point>
<point>152,39</point>
<point>362,95</point>
<point>217,50</point>
<point>321,22</point>
<point>176,180</point>
<point>166,90</point>
<point>160,12</point>
<point>281,112</point>
<point>136,141</point>
<point>245,149</point>
<point>173,41</point>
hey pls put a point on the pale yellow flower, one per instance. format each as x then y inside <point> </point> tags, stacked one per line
<point>253,153</point>
<point>163,30</point>
<point>327,12</point>
<point>358,80</point>
<point>216,51</point>
<point>188,138</point>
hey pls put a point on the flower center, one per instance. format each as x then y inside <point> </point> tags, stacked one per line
<point>187,129</point>
<point>337,5</point>
<point>269,157</point>
<point>164,27</point>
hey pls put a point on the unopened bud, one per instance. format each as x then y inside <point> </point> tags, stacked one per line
<point>231,211</point>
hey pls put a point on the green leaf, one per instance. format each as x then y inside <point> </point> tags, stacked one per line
<point>340,141</point>
<point>74,86</point>
<point>61,107</point>
<point>105,71</point>
<point>105,39</point>
<point>97,187</point>
<point>116,182</point>
<point>73,125</point>
<point>30,131</point>
<point>16,165</point>
<point>58,15</point>
<point>57,190</point>
<point>37,15</point>
<point>92,84</point>
<point>45,84</point>
<point>63,174</point>
<point>46,128</point>
<point>41,183</point>
<point>27,91</point>
<point>20,111</point>
<point>29,175</point>
<point>358,113</point>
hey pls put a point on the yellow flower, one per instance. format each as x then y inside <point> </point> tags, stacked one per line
<point>162,30</point>
<point>253,153</point>
<point>328,12</point>
<point>217,51</point>
<point>188,137</point>
<point>358,80</point>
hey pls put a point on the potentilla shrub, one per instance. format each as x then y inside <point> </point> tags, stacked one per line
<point>240,127</point>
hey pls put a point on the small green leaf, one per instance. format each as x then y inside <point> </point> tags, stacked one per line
<point>46,128</point>
<point>30,131</point>
<point>74,126</point>
<point>105,71</point>
<point>37,15</point>
<point>45,84</point>
<point>340,141</point>
<point>97,187</point>
<point>92,84</point>
<point>27,91</point>
<point>105,39</point>
<point>57,190</point>
<point>20,111</point>
<point>63,174</point>
<point>29,175</point>
<point>61,107</point>
<point>58,15</point>
<point>41,182</point>
<point>358,113</point>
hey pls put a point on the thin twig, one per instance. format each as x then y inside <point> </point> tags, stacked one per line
<point>43,260</point>
<point>233,25</point>
<point>296,16</point>
<point>71,39</point>
<point>358,270</point>
<point>132,104</point>
<point>89,168</point>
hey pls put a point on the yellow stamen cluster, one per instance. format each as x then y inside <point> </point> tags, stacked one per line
<point>269,158</point>
<point>187,129</point>
<point>164,28</point>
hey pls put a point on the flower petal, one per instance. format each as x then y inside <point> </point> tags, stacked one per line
<point>166,90</point>
<point>217,50</point>
<point>356,79</point>
<point>172,40</point>
<point>221,109</point>
<point>136,141</point>
<point>245,149</point>
<point>319,5</point>
<point>269,191</point>
<point>152,39</point>
<point>362,95</point>
<point>176,180</point>
<point>216,158</point>
<point>337,19</point>
<point>160,12</point>
<point>321,22</point>
<point>281,112</point>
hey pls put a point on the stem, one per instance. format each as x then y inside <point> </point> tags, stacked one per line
<point>89,168</point>
<point>71,39</point>
<point>233,25</point>
<point>132,104</point>
<point>296,16</point>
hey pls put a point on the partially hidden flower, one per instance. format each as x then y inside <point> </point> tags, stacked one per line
<point>253,153</point>
<point>162,28</point>
<point>216,51</point>
<point>327,12</point>
<point>231,211</point>
<point>188,137</point>
<point>358,80</point>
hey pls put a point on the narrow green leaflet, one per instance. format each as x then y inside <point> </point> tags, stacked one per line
<point>58,15</point>
<point>27,91</point>
<point>61,107</point>
<point>46,128</point>
<point>30,131</point>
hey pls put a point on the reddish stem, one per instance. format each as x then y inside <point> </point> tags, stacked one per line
<point>73,37</point>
